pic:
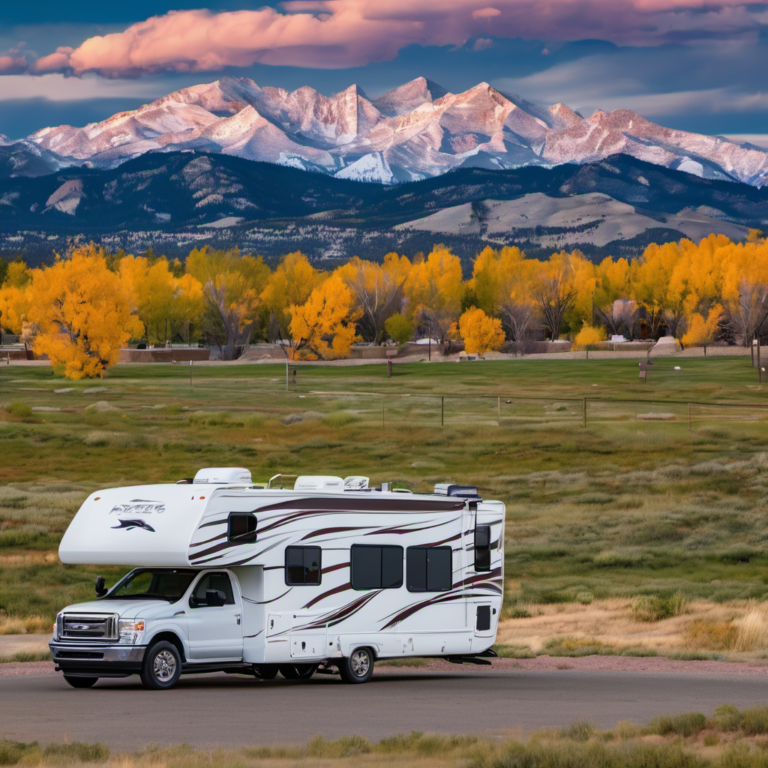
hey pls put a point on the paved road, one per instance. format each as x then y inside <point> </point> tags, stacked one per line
<point>230,710</point>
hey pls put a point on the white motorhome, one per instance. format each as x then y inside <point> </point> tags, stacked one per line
<point>238,577</point>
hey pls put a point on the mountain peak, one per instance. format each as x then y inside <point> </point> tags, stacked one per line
<point>408,97</point>
<point>416,130</point>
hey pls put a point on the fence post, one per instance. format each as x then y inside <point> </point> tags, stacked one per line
<point>190,374</point>
<point>689,417</point>
<point>584,412</point>
<point>498,412</point>
<point>383,406</point>
<point>442,411</point>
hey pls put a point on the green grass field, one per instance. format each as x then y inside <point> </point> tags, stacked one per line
<point>637,503</point>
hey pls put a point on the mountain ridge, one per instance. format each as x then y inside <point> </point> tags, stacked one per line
<point>415,131</point>
<point>174,201</point>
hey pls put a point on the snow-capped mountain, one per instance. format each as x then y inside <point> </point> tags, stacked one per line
<point>416,131</point>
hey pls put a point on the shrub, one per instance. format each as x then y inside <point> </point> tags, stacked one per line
<point>399,328</point>
<point>659,607</point>
<point>589,336</point>
<point>686,724</point>
<point>727,718</point>
<point>755,721</point>
<point>13,752</point>
<point>339,419</point>
<point>20,411</point>
<point>77,751</point>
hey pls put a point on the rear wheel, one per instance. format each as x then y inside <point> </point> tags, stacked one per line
<point>357,668</point>
<point>81,682</point>
<point>298,671</point>
<point>265,671</point>
<point>162,666</point>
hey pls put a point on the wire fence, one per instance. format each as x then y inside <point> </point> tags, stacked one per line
<point>507,411</point>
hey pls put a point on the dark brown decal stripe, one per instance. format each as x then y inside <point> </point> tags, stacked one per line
<point>339,529</point>
<point>336,617</point>
<point>265,602</point>
<point>416,607</point>
<point>334,591</point>
<point>247,637</point>
<point>336,567</point>
<point>208,541</point>
<point>402,529</point>
<point>366,505</point>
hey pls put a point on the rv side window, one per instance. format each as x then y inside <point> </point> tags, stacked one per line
<point>303,566</point>
<point>429,569</point>
<point>483,548</point>
<point>241,528</point>
<point>376,567</point>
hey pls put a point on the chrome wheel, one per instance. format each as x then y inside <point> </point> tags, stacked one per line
<point>164,666</point>
<point>360,663</point>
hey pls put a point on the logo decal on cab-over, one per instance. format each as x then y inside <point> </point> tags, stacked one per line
<point>129,525</point>
<point>138,507</point>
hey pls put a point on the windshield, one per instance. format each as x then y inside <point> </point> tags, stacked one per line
<point>154,583</point>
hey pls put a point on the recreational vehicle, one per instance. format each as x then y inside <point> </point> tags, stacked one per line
<point>233,576</point>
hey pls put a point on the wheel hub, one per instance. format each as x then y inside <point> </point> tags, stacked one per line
<point>164,666</point>
<point>360,663</point>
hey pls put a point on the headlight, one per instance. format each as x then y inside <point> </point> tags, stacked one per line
<point>130,630</point>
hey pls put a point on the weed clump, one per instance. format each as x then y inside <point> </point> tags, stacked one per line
<point>685,725</point>
<point>19,411</point>
<point>652,608</point>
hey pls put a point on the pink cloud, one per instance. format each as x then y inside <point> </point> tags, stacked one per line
<point>346,33</point>
<point>12,65</point>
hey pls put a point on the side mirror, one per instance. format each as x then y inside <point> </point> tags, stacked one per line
<point>101,590</point>
<point>215,598</point>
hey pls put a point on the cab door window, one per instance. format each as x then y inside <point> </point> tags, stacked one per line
<point>218,581</point>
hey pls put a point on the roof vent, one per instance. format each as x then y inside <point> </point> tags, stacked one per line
<point>223,475</point>
<point>318,483</point>
<point>451,489</point>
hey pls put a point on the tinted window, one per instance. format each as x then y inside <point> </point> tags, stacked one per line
<point>242,528</point>
<point>429,569</point>
<point>303,565</point>
<point>160,583</point>
<point>217,581</point>
<point>376,567</point>
<point>483,618</point>
<point>483,548</point>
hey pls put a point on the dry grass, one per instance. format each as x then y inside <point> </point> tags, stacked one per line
<point>612,626</point>
<point>730,739</point>
<point>24,625</point>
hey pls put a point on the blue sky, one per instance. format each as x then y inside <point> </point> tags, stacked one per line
<point>690,64</point>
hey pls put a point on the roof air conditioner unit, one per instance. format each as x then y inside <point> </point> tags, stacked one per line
<point>223,475</point>
<point>318,483</point>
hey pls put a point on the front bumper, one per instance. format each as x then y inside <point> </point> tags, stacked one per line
<point>96,659</point>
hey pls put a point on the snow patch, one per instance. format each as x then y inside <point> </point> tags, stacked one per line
<point>371,167</point>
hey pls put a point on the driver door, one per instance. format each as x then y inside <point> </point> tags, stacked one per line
<point>215,632</point>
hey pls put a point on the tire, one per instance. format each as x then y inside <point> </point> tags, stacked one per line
<point>297,671</point>
<point>81,682</point>
<point>265,671</point>
<point>357,668</point>
<point>162,666</point>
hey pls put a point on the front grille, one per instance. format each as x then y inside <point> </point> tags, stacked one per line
<point>87,626</point>
<point>79,655</point>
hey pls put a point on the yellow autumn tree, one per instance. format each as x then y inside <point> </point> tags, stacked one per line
<point>480,332</point>
<point>15,297</point>
<point>378,290</point>
<point>588,336</point>
<point>290,285</point>
<point>82,314</point>
<point>703,331</point>
<point>164,303</point>
<point>324,326</point>
<point>434,290</point>
<point>232,286</point>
